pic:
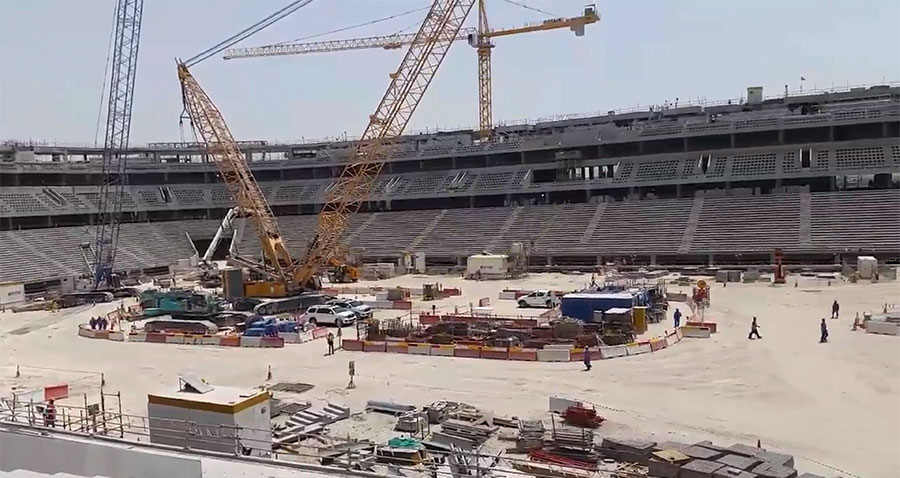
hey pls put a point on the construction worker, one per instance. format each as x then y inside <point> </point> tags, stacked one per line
<point>587,359</point>
<point>835,310</point>
<point>754,330</point>
<point>824,329</point>
<point>677,318</point>
<point>330,339</point>
<point>50,414</point>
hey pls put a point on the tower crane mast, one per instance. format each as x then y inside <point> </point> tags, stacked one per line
<point>345,196</point>
<point>478,37</point>
<point>126,40</point>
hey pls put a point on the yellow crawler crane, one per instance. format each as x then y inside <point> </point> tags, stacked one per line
<point>285,276</point>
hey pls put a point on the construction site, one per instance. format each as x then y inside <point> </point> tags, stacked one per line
<point>584,297</point>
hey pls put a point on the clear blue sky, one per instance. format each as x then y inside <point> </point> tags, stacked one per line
<point>52,57</point>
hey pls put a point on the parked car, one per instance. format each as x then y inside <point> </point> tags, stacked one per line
<point>540,298</point>
<point>329,315</point>
<point>362,311</point>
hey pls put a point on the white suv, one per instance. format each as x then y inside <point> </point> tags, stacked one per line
<point>541,298</point>
<point>362,311</point>
<point>330,315</point>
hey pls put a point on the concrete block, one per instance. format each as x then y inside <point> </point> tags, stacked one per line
<point>883,328</point>
<point>175,339</point>
<point>251,341</point>
<point>769,470</point>
<point>744,450</point>
<point>663,469</point>
<point>614,351</point>
<point>673,445</point>
<point>442,350</point>
<point>553,355</point>
<point>419,349</point>
<point>696,332</point>
<point>729,472</point>
<point>117,336</point>
<point>698,452</point>
<point>211,340</point>
<point>739,461</point>
<point>290,337</point>
<point>637,348</point>
<point>137,337</point>
<point>810,475</point>
<point>776,458</point>
<point>700,469</point>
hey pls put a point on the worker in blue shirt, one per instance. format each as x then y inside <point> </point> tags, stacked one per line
<point>677,318</point>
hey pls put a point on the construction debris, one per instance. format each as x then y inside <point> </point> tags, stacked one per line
<point>531,435</point>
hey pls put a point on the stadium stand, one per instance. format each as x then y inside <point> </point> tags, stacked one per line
<point>839,221</point>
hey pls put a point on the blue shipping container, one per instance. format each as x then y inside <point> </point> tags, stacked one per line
<point>582,305</point>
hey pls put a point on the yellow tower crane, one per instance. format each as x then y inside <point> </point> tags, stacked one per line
<point>408,84</point>
<point>480,38</point>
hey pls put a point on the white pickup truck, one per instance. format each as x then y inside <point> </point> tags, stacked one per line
<point>540,298</point>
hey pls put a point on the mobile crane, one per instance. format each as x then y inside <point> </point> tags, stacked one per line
<point>480,38</point>
<point>281,274</point>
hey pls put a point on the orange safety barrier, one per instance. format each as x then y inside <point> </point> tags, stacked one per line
<point>467,351</point>
<point>56,392</point>
<point>272,342</point>
<point>370,346</point>
<point>576,355</point>
<point>230,341</point>
<point>397,347</point>
<point>529,355</point>
<point>156,338</point>
<point>497,353</point>
<point>352,345</point>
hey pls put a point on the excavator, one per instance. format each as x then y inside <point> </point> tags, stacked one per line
<point>278,274</point>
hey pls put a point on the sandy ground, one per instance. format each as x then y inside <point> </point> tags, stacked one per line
<point>835,406</point>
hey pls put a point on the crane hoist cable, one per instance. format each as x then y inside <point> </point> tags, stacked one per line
<point>358,25</point>
<point>247,32</point>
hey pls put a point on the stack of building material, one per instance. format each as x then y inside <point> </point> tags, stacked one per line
<point>771,470</point>
<point>388,407</point>
<point>573,461</point>
<point>531,435</point>
<point>631,450</point>
<point>411,422</point>
<point>581,439</point>
<point>476,433</point>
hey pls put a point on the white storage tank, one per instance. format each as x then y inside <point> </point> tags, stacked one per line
<point>866,266</point>
<point>487,265</point>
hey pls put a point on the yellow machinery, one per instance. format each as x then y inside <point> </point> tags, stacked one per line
<point>479,37</point>
<point>283,275</point>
